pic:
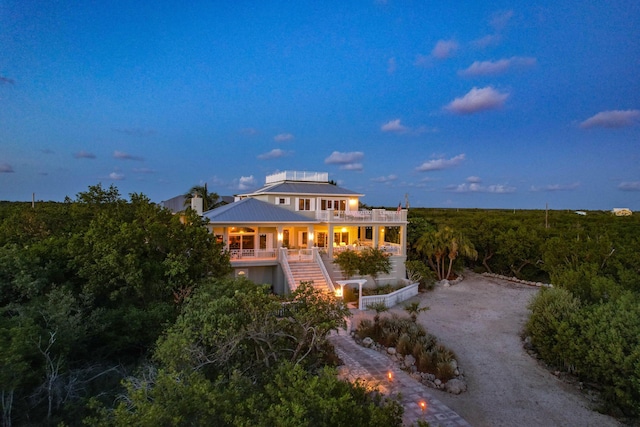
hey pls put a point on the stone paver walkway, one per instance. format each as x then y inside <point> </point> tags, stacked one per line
<point>373,368</point>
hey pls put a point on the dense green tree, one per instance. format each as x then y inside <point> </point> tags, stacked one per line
<point>349,263</point>
<point>373,262</point>
<point>86,288</point>
<point>369,262</point>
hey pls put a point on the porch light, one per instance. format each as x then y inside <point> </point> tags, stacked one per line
<point>279,237</point>
<point>310,236</point>
<point>423,405</point>
<point>390,376</point>
<point>353,202</point>
<point>339,293</point>
<point>344,229</point>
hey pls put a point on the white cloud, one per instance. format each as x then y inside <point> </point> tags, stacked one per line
<point>125,156</point>
<point>439,164</point>
<point>392,65</point>
<point>556,187</point>
<point>282,137</point>
<point>352,167</point>
<point>475,187</point>
<point>343,158</point>
<point>396,126</point>
<point>6,168</point>
<point>84,155</point>
<point>500,189</point>
<point>476,100</point>
<point>486,68</point>
<point>488,40</point>
<point>246,182</point>
<point>499,20</point>
<point>629,186</point>
<point>474,179</point>
<point>116,176</point>
<point>385,179</point>
<point>444,49</point>
<point>273,154</point>
<point>393,126</point>
<point>612,119</point>
<point>143,170</point>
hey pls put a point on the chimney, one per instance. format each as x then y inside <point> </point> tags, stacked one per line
<point>196,204</point>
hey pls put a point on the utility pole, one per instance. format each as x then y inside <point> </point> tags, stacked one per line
<point>33,200</point>
<point>546,216</point>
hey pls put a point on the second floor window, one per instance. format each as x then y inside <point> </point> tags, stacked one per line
<point>304,204</point>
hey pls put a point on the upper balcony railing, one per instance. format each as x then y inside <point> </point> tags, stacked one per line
<point>297,176</point>
<point>374,215</point>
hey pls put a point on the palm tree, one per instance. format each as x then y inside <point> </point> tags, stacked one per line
<point>209,200</point>
<point>379,307</point>
<point>460,245</point>
<point>446,242</point>
<point>414,309</point>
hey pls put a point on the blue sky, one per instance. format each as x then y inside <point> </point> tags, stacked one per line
<point>502,104</point>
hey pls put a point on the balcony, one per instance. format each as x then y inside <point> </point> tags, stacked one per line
<point>252,254</point>
<point>372,216</point>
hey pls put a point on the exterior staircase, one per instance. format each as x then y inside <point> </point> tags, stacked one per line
<point>307,271</point>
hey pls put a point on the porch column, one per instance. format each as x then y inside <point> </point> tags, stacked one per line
<point>279,236</point>
<point>330,243</point>
<point>311,237</point>
<point>225,237</point>
<point>376,235</point>
<point>403,240</point>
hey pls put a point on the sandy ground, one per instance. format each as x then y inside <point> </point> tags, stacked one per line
<point>481,320</point>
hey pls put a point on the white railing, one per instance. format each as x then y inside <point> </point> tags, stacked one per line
<point>286,269</point>
<point>297,176</point>
<point>300,255</point>
<point>237,254</point>
<point>391,299</point>
<point>374,215</point>
<point>390,248</point>
<point>318,259</point>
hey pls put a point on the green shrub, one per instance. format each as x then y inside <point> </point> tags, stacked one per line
<point>365,329</point>
<point>427,341</point>
<point>608,351</point>
<point>405,345</point>
<point>425,361</point>
<point>388,338</point>
<point>444,371</point>
<point>553,312</point>
<point>443,354</point>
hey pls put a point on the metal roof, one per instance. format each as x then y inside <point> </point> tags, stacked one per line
<point>305,188</point>
<point>253,210</point>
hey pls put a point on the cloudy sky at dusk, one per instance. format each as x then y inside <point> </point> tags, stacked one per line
<point>500,104</point>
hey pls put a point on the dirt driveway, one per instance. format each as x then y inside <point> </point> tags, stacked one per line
<point>481,319</point>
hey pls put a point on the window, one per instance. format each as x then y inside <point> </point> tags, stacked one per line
<point>283,200</point>
<point>304,204</point>
<point>336,205</point>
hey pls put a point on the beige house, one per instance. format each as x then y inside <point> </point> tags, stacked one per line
<point>289,230</point>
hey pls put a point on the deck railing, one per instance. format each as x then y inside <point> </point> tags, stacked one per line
<point>284,262</point>
<point>391,299</point>
<point>374,215</point>
<point>244,254</point>
<point>390,248</point>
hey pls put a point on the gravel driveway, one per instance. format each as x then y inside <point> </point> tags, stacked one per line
<point>481,320</point>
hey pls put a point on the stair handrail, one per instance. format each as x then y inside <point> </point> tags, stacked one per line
<point>284,263</point>
<point>318,260</point>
